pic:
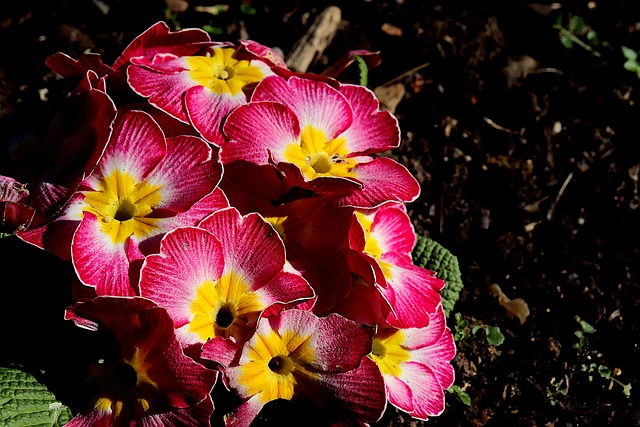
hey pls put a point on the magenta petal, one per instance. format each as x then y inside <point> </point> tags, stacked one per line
<point>278,128</point>
<point>190,170</point>
<point>98,261</point>
<point>314,103</point>
<point>207,110</point>
<point>393,230</point>
<point>251,246</point>
<point>383,180</point>
<point>285,289</point>
<point>362,390</point>
<point>160,39</point>
<point>189,256</point>
<point>412,291</point>
<point>373,130</point>
<point>400,394</point>
<point>428,394</point>
<point>164,85</point>
<point>137,144</point>
<point>338,332</point>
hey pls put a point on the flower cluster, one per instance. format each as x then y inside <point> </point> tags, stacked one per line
<point>231,220</point>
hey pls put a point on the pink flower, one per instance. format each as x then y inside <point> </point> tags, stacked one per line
<point>299,356</point>
<point>217,279</point>
<point>147,380</point>
<point>320,137</point>
<point>143,186</point>
<point>385,237</point>
<point>415,364</point>
<point>200,88</point>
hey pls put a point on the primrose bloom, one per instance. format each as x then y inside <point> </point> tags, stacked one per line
<point>298,355</point>
<point>146,380</point>
<point>415,364</point>
<point>320,138</point>
<point>215,280</point>
<point>143,186</point>
<point>200,89</point>
<point>385,236</point>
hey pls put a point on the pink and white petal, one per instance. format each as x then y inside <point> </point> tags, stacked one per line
<point>433,346</point>
<point>278,128</point>
<point>221,350</point>
<point>163,84</point>
<point>204,207</point>
<point>98,261</point>
<point>207,110</point>
<point>414,292</point>
<point>337,332</point>
<point>244,414</point>
<point>393,230</point>
<point>251,246</point>
<point>373,130</point>
<point>189,171</point>
<point>399,393</point>
<point>383,180</point>
<point>189,256</point>
<point>314,103</point>
<point>137,145</point>
<point>428,394</point>
<point>160,39</point>
<point>256,49</point>
<point>284,289</point>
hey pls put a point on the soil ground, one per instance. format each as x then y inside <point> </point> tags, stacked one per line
<point>526,149</point>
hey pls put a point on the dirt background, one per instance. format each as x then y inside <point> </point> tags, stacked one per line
<point>527,152</point>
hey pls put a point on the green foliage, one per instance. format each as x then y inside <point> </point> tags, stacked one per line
<point>494,335</point>
<point>462,395</point>
<point>364,71</point>
<point>429,254</point>
<point>631,63</point>
<point>24,402</point>
<point>462,332</point>
<point>590,368</point>
<point>577,33</point>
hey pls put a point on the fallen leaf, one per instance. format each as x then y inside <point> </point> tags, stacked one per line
<point>392,30</point>
<point>515,307</point>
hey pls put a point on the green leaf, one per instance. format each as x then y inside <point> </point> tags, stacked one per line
<point>626,389</point>
<point>212,30</point>
<point>587,328</point>
<point>604,371</point>
<point>462,395</point>
<point>494,336</point>
<point>629,53</point>
<point>24,402</point>
<point>429,254</point>
<point>364,71</point>
<point>247,10</point>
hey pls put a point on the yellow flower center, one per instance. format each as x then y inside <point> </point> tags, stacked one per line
<point>224,308</point>
<point>274,362</point>
<point>126,384</point>
<point>371,245</point>
<point>123,206</point>
<point>278,223</point>
<point>222,73</point>
<point>315,156</point>
<point>388,352</point>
